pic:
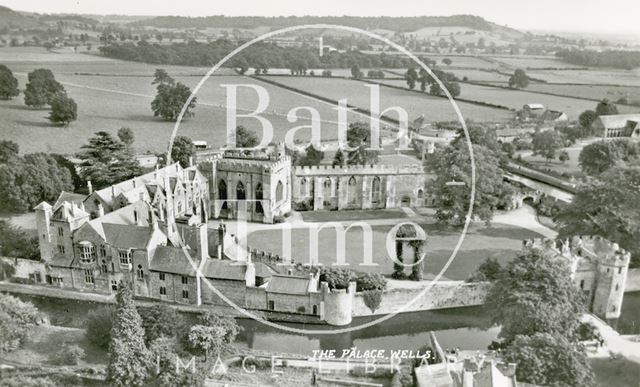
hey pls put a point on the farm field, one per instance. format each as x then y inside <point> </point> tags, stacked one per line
<point>481,76</point>
<point>598,77</point>
<point>461,61</point>
<point>356,92</point>
<point>500,241</point>
<point>514,99</point>
<point>589,91</point>
<point>533,62</point>
<point>110,101</point>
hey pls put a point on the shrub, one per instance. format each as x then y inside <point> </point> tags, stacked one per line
<point>70,354</point>
<point>16,317</point>
<point>337,278</point>
<point>370,281</point>
<point>372,299</point>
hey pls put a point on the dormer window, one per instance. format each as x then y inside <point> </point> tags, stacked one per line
<point>87,252</point>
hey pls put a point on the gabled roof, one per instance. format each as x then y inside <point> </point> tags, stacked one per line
<point>288,284</point>
<point>70,197</point>
<point>68,211</point>
<point>616,121</point>
<point>127,236</point>
<point>169,259</point>
<point>223,269</point>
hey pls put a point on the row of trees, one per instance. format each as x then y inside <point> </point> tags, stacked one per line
<point>262,55</point>
<point>413,77</point>
<point>611,58</point>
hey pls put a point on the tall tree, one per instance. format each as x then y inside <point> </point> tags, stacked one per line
<point>411,76</point>
<point>129,359</point>
<point>586,118</point>
<point>42,88</point>
<point>171,97</point>
<point>106,161</point>
<point>63,110</point>
<point>8,150</point>
<point>452,186</point>
<point>359,139</point>
<point>8,83</point>
<point>606,107</point>
<point>338,159</point>
<point>535,294</point>
<point>519,79</point>
<point>547,144</point>
<point>550,360</point>
<point>607,206</point>
<point>312,156</point>
<point>126,136</point>
<point>182,151</point>
<point>245,138</point>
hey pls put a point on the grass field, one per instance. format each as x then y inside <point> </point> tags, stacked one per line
<point>589,91</point>
<point>533,62</point>
<point>571,166</point>
<point>598,77</point>
<point>112,94</point>
<point>615,373</point>
<point>498,241</point>
<point>357,93</point>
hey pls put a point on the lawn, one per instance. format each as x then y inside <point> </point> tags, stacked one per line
<point>357,94</point>
<point>571,166</point>
<point>338,216</point>
<point>499,241</point>
<point>615,373</point>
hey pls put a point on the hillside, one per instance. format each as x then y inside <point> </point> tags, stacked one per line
<point>12,19</point>
<point>398,24</point>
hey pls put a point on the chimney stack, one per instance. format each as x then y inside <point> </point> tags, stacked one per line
<point>89,187</point>
<point>100,210</point>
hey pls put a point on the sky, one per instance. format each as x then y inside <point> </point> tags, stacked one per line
<point>611,16</point>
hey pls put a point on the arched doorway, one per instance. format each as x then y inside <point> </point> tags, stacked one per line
<point>240,192</point>
<point>376,191</point>
<point>352,190</point>
<point>258,193</point>
<point>279,192</point>
<point>406,201</point>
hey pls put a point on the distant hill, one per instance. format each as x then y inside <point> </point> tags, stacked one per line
<point>12,19</point>
<point>398,24</point>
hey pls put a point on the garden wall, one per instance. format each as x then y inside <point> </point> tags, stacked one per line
<point>442,295</point>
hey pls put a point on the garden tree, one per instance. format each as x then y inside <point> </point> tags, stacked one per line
<point>606,107</point>
<point>98,327</point>
<point>411,76</point>
<point>312,156</point>
<point>207,339</point>
<point>228,325</point>
<point>8,150</point>
<point>14,242</point>
<point>534,294</point>
<point>160,320</point>
<point>489,270</point>
<point>600,156</point>
<point>453,164</point>
<point>16,319</point>
<point>606,206</point>
<point>164,352</point>
<point>359,139</point>
<point>27,380</point>
<point>586,118</point>
<point>171,97</point>
<point>546,144</point>
<point>28,180</point>
<point>337,278</point>
<point>479,135</point>
<point>370,281</point>
<point>519,79</point>
<point>129,359</point>
<point>424,79</point>
<point>126,136</point>
<point>183,150</point>
<point>356,72</point>
<point>563,156</point>
<point>549,360</point>
<point>246,138</point>
<point>452,87</point>
<point>63,110</point>
<point>106,161</point>
<point>338,159</point>
<point>41,88</point>
<point>8,83</point>
<point>447,61</point>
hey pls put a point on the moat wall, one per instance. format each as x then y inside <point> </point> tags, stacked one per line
<point>442,295</point>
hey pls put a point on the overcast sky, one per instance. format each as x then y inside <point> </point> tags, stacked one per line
<point>560,15</point>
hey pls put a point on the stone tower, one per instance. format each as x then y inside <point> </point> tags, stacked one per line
<point>611,276</point>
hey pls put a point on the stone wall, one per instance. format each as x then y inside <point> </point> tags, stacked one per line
<point>442,295</point>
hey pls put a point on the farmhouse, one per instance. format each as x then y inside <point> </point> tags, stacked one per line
<point>618,125</point>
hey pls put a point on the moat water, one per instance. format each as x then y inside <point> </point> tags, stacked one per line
<point>467,328</point>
